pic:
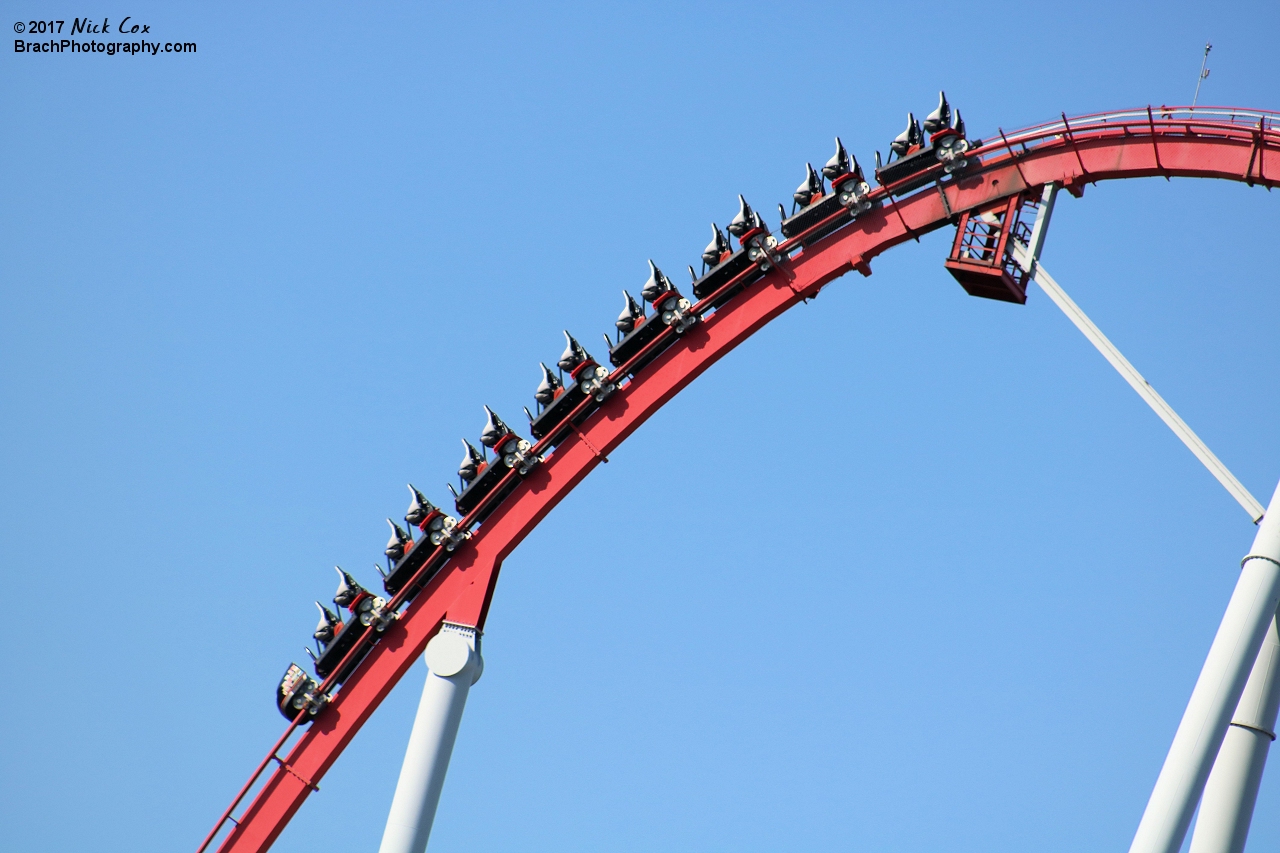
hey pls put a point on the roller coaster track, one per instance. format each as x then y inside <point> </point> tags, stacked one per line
<point>1207,142</point>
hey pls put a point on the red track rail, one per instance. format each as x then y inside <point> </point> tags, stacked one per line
<point>1211,142</point>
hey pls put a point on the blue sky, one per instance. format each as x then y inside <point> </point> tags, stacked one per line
<point>908,571</point>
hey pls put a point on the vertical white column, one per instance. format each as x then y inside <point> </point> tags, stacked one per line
<point>1217,692</point>
<point>454,664</point>
<point>1232,790</point>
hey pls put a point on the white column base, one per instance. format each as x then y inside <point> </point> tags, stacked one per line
<point>454,664</point>
<point>1226,809</point>
<point>1216,695</point>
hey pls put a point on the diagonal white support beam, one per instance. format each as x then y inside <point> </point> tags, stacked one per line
<point>1027,259</point>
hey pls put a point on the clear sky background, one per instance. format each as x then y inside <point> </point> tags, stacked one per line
<point>908,571</point>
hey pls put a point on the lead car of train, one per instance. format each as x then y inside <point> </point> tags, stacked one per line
<point>825,201</point>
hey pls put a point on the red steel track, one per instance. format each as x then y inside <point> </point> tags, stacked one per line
<point>1209,142</point>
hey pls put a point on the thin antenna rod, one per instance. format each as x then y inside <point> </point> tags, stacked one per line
<point>1204,72</point>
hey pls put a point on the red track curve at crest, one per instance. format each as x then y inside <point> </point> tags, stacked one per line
<point>1208,142</point>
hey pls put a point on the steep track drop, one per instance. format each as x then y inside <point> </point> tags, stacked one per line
<point>1208,142</point>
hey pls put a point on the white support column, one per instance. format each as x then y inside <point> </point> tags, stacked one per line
<point>1232,790</point>
<point>1217,692</point>
<point>1232,787</point>
<point>454,664</point>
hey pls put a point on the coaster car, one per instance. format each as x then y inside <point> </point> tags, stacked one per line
<point>482,477</point>
<point>637,331</point>
<point>405,561</point>
<point>921,162</point>
<point>337,637</point>
<point>843,202</point>
<point>556,399</point>
<point>298,691</point>
<point>754,257</point>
